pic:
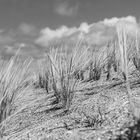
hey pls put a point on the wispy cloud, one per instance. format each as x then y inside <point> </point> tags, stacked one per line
<point>27,29</point>
<point>21,37</point>
<point>64,8</point>
<point>5,38</point>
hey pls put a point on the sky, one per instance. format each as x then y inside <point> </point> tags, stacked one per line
<point>34,22</point>
<point>54,13</point>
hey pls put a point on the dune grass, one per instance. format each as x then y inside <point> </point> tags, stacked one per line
<point>63,72</point>
<point>123,46</point>
<point>62,68</point>
<point>15,83</point>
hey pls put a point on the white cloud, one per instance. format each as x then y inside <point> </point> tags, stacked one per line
<point>113,21</point>
<point>84,27</point>
<point>105,30</point>
<point>48,34</point>
<point>129,22</point>
<point>65,9</point>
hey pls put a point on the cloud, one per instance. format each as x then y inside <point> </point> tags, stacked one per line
<point>27,29</point>
<point>84,27</point>
<point>32,40</point>
<point>113,21</point>
<point>23,33</point>
<point>6,39</point>
<point>20,37</point>
<point>64,8</point>
<point>97,33</point>
<point>48,34</point>
<point>94,33</point>
<point>129,22</point>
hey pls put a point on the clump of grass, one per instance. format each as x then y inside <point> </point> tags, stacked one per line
<point>42,77</point>
<point>79,75</point>
<point>123,47</point>
<point>112,58</point>
<point>14,84</point>
<point>81,60</point>
<point>43,81</point>
<point>61,69</point>
<point>136,57</point>
<point>97,63</point>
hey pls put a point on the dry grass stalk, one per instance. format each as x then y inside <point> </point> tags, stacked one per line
<point>42,77</point>
<point>136,58</point>
<point>13,79</point>
<point>97,63</point>
<point>122,40</point>
<point>15,83</point>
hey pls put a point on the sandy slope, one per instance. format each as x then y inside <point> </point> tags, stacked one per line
<point>97,113</point>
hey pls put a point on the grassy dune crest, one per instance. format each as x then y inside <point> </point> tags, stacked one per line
<point>70,81</point>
